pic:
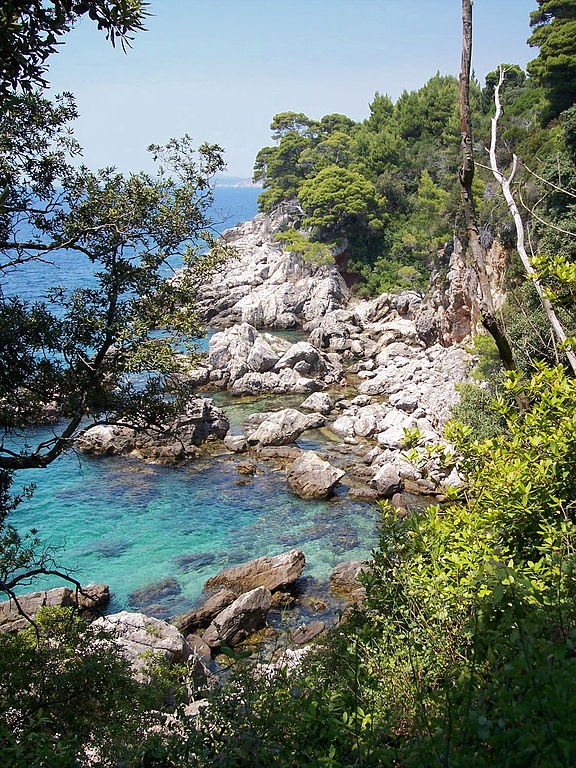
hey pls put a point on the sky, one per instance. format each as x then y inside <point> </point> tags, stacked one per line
<point>219,70</point>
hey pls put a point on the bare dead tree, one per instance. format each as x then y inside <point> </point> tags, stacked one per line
<point>505,183</point>
<point>490,319</point>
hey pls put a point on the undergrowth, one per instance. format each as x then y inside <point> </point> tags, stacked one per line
<point>463,654</point>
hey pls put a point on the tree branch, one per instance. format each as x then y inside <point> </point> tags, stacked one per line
<point>518,223</point>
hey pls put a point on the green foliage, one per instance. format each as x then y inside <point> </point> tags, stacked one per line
<point>476,410</point>
<point>390,275</point>
<point>338,198</point>
<point>310,250</point>
<point>66,692</point>
<point>555,65</point>
<point>30,32</point>
<point>463,654</point>
<point>431,111</point>
<point>129,227</point>
<point>290,122</point>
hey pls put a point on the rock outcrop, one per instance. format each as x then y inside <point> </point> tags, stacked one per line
<point>201,617</point>
<point>248,363</point>
<point>169,443</point>
<point>344,577</point>
<point>271,572</point>
<point>244,616</point>
<point>142,638</point>
<point>267,286</point>
<point>90,604</point>
<point>283,427</point>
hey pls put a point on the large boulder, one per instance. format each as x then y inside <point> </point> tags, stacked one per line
<point>142,638</point>
<point>310,477</point>
<point>239,350</point>
<point>305,359</point>
<point>201,617</point>
<point>335,331</point>
<point>319,402</point>
<point>91,603</point>
<point>174,441</point>
<point>285,381</point>
<point>244,616</point>
<point>387,481</point>
<point>270,572</point>
<point>283,427</point>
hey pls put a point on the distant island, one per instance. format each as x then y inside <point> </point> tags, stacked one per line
<point>235,181</point>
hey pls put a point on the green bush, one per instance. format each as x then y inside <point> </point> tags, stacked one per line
<point>66,693</point>
<point>464,652</point>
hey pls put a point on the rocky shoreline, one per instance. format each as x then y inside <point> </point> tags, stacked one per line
<point>374,378</point>
<point>235,616</point>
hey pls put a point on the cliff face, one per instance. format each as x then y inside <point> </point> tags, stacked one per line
<point>452,310</point>
<point>268,287</point>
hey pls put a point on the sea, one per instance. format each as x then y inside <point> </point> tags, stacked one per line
<point>154,533</point>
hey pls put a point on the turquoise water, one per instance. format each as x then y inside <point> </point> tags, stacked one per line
<point>131,524</point>
<point>127,523</point>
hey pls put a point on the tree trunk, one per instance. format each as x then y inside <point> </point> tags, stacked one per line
<point>490,320</point>
<point>505,183</point>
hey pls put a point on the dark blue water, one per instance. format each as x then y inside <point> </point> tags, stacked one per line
<point>71,270</point>
<point>131,524</point>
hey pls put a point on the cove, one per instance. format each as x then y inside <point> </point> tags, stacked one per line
<point>131,524</point>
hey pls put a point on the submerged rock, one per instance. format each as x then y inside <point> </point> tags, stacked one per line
<point>152,593</point>
<point>270,572</point>
<point>344,577</point>
<point>312,478</point>
<point>194,560</point>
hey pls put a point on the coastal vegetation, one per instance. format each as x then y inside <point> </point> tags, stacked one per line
<point>463,651</point>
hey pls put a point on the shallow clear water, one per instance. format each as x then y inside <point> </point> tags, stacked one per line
<point>131,524</point>
<point>126,523</point>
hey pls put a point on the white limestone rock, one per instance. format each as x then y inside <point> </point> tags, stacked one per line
<point>310,477</point>
<point>142,638</point>
<point>319,402</point>
<point>267,286</point>
<point>283,427</point>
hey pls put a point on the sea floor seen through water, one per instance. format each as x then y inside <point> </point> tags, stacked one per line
<point>160,531</point>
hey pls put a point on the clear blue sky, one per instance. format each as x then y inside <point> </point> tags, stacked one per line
<point>220,69</point>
